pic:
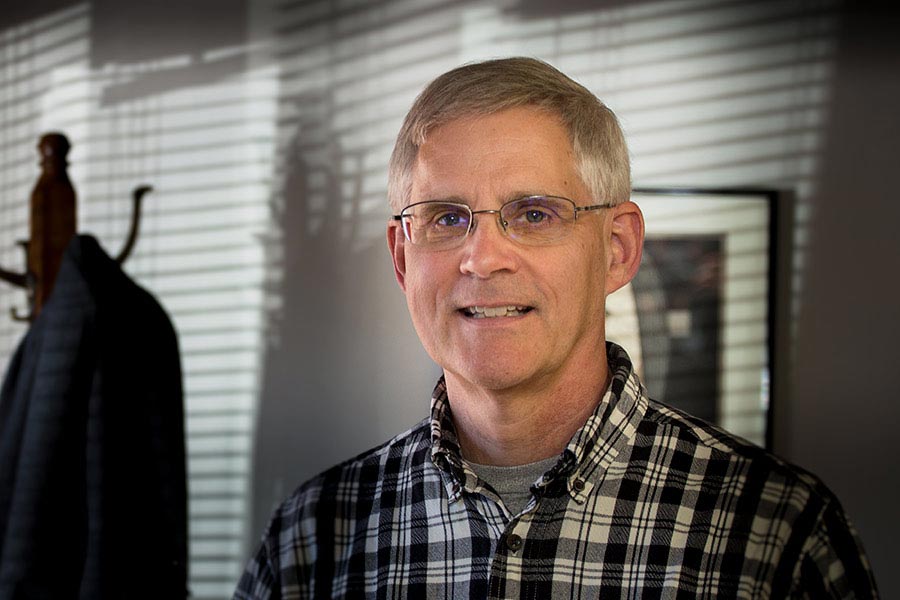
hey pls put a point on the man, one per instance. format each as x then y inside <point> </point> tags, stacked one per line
<point>544,470</point>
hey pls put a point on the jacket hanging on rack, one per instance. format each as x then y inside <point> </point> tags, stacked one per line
<point>92,460</point>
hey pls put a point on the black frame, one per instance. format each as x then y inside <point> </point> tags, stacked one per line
<point>780,230</point>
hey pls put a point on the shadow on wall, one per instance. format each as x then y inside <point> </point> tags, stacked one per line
<point>334,368</point>
<point>187,28</point>
<point>185,31</point>
<point>843,415</point>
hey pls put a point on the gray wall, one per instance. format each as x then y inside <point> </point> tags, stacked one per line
<point>844,412</point>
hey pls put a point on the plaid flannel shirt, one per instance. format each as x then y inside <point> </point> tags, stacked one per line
<point>645,502</point>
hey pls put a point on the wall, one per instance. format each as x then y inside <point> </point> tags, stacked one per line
<point>265,127</point>
<point>843,410</point>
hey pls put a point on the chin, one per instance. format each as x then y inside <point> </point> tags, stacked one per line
<point>495,378</point>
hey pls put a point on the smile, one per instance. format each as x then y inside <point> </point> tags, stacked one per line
<point>490,312</point>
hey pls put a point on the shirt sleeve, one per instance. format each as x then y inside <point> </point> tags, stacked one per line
<point>834,564</point>
<point>258,581</point>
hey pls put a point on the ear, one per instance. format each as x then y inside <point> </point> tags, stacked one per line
<point>626,245</point>
<point>397,245</point>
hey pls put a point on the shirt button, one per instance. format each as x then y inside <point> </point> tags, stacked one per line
<point>578,485</point>
<point>513,542</point>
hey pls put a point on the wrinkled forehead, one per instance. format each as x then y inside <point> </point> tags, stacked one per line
<point>518,151</point>
<point>426,125</point>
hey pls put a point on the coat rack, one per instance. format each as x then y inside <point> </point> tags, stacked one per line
<point>53,224</point>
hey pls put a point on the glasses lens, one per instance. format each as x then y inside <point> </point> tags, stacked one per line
<point>436,223</point>
<point>538,219</point>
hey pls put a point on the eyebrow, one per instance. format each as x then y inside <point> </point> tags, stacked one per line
<point>453,199</point>
<point>508,198</point>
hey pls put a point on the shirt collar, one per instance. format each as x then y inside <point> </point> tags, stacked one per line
<point>588,454</point>
<point>445,452</point>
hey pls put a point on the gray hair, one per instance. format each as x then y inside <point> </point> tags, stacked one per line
<point>491,86</point>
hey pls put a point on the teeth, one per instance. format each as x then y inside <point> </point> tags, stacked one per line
<point>488,312</point>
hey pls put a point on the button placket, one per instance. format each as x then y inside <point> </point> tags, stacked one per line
<point>580,489</point>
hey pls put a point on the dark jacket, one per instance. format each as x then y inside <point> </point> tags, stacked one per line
<point>92,460</point>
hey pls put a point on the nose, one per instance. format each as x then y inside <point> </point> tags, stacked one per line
<point>487,249</point>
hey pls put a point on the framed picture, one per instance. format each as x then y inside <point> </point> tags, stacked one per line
<point>698,318</point>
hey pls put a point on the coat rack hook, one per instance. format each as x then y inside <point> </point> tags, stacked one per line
<point>23,280</point>
<point>137,196</point>
<point>17,316</point>
<point>52,225</point>
<point>16,279</point>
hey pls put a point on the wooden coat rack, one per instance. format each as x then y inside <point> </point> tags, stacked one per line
<point>53,224</point>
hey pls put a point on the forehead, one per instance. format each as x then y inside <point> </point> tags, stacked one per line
<point>488,158</point>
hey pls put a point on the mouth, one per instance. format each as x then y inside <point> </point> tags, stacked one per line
<point>493,312</point>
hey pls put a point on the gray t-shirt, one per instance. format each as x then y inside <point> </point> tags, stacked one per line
<point>514,483</point>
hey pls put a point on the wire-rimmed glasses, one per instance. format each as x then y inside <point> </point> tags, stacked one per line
<point>531,220</point>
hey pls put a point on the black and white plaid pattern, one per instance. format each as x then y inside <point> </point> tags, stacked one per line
<point>645,502</point>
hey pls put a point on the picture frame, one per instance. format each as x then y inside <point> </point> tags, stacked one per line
<point>699,318</point>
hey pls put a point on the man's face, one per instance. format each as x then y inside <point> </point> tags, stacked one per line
<point>485,162</point>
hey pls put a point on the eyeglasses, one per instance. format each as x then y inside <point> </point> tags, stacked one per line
<point>532,220</point>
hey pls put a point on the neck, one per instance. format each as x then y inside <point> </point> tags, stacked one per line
<point>527,423</point>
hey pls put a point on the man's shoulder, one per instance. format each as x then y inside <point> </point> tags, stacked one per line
<point>727,456</point>
<point>330,514</point>
<point>361,478</point>
<point>779,514</point>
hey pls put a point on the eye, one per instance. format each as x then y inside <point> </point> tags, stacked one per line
<point>532,213</point>
<point>449,219</point>
<point>535,215</point>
